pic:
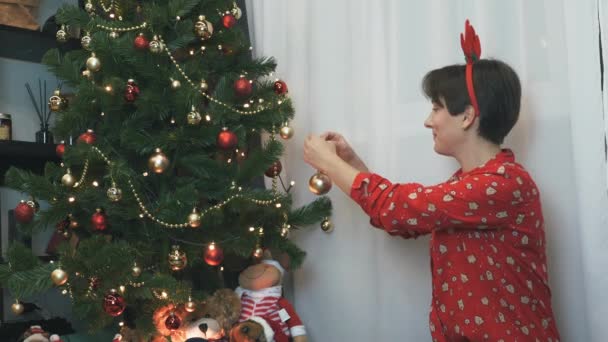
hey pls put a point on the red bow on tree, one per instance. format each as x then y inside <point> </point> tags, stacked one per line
<point>470,43</point>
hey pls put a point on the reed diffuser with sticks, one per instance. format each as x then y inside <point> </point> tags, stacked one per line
<point>44,135</point>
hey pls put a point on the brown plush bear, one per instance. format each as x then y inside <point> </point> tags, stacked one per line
<point>210,321</point>
<point>258,329</point>
<point>261,293</point>
<point>220,312</point>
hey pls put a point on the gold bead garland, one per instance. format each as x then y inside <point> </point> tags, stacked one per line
<point>211,98</point>
<point>123,29</point>
<point>146,212</point>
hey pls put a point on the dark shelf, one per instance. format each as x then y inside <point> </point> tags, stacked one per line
<point>25,155</point>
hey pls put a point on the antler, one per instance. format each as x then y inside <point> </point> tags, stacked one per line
<point>469,41</point>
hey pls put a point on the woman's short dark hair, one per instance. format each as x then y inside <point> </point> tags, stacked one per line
<point>498,94</point>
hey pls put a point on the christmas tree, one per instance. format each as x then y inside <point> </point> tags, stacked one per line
<point>160,199</point>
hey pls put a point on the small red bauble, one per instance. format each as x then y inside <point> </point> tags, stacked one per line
<point>88,137</point>
<point>227,139</point>
<point>228,21</point>
<point>60,150</point>
<point>274,169</point>
<point>131,91</point>
<point>24,213</point>
<point>243,87</point>
<point>280,87</point>
<point>173,322</point>
<point>214,255</point>
<point>114,304</point>
<point>99,221</point>
<point>140,42</point>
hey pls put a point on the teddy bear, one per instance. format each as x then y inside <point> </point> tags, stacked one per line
<point>210,321</point>
<point>36,334</point>
<point>260,290</point>
<point>258,329</point>
<point>221,312</point>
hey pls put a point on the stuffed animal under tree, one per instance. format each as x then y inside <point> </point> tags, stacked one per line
<point>261,292</point>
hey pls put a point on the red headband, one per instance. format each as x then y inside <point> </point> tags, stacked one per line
<point>472,52</point>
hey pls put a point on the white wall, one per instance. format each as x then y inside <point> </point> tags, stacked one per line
<point>355,67</point>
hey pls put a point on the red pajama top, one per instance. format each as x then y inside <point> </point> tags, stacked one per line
<point>487,248</point>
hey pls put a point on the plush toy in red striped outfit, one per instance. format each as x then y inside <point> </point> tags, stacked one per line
<point>261,292</point>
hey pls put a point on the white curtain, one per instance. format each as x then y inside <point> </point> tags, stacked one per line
<point>355,66</point>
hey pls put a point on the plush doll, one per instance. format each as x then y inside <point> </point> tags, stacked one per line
<point>218,314</point>
<point>36,334</point>
<point>261,291</point>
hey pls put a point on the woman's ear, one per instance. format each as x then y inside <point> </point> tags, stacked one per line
<point>468,118</point>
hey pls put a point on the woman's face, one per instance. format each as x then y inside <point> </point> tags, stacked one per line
<point>448,132</point>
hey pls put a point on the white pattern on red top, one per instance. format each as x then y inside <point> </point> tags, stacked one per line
<point>487,248</point>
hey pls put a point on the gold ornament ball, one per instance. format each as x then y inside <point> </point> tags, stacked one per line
<point>177,259</point>
<point>204,86</point>
<point>68,180</point>
<point>57,102</point>
<point>155,46</point>
<point>286,132</point>
<point>93,64</point>
<point>194,118</point>
<point>175,84</point>
<point>62,36</point>
<point>194,219</point>
<point>258,253</point>
<point>85,41</point>
<point>114,193</point>
<point>190,306</point>
<point>319,184</point>
<point>237,13</point>
<point>136,271</point>
<point>158,163</point>
<point>327,226</point>
<point>89,7</point>
<point>59,277</point>
<point>87,74</point>
<point>203,28</point>
<point>17,308</point>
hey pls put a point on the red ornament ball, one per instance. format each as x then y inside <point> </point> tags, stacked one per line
<point>243,87</point>
<point>24,213</point>
<point>228,21</point>
<point>140,42</point>
<point>60,150</point>
<point>227,139</point>
<point>88,137</point>
<point>99,221</point>
<point>214,255</point>
<point>131,91</point>
<point>280,87</point>
<point>114,304</point>
<point>274,169</point>
<point>173,322</point>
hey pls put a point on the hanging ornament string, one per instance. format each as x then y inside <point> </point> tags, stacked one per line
<point>204,93</point>
<point>219,206</point>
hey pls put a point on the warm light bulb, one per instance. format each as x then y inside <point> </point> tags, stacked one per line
<point>251,229</point>
<point>95,183</point>
<point>71,199</point>
<point>108,88</point>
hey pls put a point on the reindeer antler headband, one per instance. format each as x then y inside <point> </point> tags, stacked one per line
<point>472,52</point>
